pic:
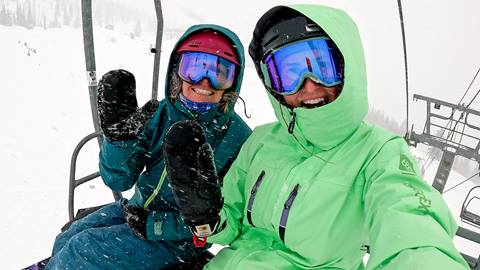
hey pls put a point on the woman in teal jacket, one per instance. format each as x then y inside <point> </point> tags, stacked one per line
<point>319,188</point>
<point>147,232</point>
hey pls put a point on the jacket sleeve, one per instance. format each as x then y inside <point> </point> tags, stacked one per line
<point>231,215</point>
<point>409,224</point>
<point>121,162</point>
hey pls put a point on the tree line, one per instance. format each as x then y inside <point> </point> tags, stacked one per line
<point>49,14</point>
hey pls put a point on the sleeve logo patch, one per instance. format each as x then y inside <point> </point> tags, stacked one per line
<point>406,165</point>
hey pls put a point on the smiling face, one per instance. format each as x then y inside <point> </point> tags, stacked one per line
<point>201,92</point>
<point>313,95</point>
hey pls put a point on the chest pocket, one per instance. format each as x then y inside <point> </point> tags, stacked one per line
<point>253,193</point>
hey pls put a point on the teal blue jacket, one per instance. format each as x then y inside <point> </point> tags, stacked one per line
<point>140,162</point>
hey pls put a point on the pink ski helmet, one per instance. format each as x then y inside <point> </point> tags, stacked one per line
<point>209,41</point>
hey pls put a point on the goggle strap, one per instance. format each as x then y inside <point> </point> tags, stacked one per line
<point>266,75</point>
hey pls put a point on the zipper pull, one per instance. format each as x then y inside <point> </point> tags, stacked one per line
<point>257,183</point>
<point>291,125</point>
<point>291,197</point>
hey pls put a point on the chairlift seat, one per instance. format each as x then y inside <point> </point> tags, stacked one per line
<point>470,217</point>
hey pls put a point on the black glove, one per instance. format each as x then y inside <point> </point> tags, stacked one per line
<point>136,219</point>
<point>191,172</point>
<point>120,117</point>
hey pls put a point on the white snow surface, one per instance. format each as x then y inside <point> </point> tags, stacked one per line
<point>45,111</point>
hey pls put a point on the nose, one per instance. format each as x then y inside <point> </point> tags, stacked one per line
<point>309,85</point>
<point>205,83</point>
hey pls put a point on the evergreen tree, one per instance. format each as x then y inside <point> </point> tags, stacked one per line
<point>137,31</point>
<point>66,15</point>
<point>8,18</point>
<point>3,15</point>
<point>44,21</point>
<point>56,23</point>
<point>30,20</point>
<point>34,13</point>
<point>19,15</point>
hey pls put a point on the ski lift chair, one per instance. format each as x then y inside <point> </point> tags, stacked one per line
<point>472,218</point>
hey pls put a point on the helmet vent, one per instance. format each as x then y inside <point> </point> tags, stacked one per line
<point>311,27</point>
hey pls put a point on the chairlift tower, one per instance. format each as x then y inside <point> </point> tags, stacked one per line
<point>451,147</point>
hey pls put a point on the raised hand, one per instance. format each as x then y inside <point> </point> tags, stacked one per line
<point>193,178</point>
<point>120,117</point>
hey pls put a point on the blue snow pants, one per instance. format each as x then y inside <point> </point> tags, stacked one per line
<point>102,240</point>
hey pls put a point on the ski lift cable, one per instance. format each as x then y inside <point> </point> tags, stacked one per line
<point>464,94</point>
<point>468,88</point>
<point>400,11</point>
<point>461,182</point>
<point>461,116</point>
<point>471,101</point>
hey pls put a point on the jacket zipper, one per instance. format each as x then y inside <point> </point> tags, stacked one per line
<point>286,211</point>
<point>253,193</point>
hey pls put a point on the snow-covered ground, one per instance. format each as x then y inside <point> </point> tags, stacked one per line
<point>45,111</point>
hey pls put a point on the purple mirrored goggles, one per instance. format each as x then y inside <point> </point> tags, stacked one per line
<point>194,66</point>
<point>286,68</point>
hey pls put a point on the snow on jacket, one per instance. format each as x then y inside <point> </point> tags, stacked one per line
<point>140,162</point>
<point>320,197</point>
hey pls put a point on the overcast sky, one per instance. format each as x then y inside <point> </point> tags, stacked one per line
<point>442,41</point>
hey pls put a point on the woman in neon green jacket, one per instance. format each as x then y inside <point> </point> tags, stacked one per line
<point>319,188</point>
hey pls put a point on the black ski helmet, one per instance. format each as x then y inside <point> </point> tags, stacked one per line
<point>279,26</point>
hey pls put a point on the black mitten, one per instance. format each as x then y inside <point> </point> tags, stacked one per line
<point>191,172</point>
<point>136,219</point>
<point>120,117</point>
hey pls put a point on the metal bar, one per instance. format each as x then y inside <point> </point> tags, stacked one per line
<point>91,69</point>
<point>89,50</point>
<point>400,12</point>
<point>443,171</point>
<point>447,104</point>
<point>454,131</point>
<point>72,183</point>
<point>87,178</point>
<point>472,262</point>
<point>429,116</point>
<point>468,234</point>
<point>158,48</point>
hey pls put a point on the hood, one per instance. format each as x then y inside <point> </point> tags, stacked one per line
<point>325,127</point>
<point>214,113</point>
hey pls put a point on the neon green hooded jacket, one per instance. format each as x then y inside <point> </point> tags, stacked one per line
<point>321,197</point>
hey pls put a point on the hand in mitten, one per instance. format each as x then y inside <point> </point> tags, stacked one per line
<point>120,117</point>
<point>191,172</point>
<point>136,219</point>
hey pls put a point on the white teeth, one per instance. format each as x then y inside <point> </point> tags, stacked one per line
<point>203,92</point>
<point>314,101</point>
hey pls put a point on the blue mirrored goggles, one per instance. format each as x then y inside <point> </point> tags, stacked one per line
<point>286,68</point>
<point>194,66</point>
